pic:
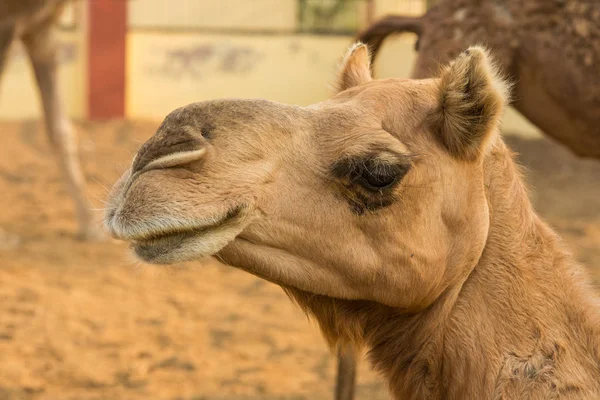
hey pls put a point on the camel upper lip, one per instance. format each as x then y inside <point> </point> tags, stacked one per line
<point>148,234</point>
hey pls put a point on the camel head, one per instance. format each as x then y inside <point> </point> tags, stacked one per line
<point>377,193</point>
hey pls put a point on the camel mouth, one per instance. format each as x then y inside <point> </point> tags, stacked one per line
<point>177,245</point>
<point>156,249</point>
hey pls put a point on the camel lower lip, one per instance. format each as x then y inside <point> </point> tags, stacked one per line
<point>157,247</point>
<point>152,249</point>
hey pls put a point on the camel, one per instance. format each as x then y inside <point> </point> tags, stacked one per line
<point>34,23</point>
<point>393,213</point>
<point>551,49</point>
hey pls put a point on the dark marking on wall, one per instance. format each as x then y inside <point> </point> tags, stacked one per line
<point>193,61</point>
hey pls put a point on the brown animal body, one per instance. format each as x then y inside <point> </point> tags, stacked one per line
<point>34,23</point>
<point>551,48</point>
<point>394,214</point>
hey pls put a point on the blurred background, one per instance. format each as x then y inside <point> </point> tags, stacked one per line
<point>83,320</point>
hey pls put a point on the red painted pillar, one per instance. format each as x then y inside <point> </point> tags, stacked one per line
<point>106,58</point>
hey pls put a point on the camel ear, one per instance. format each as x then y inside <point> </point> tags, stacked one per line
<point>471,98</point>
<point>355,68</point>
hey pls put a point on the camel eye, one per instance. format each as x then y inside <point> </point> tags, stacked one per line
<point>371,173</point>
<point>367,182</point>
<point>375,180</point>
<point>376,175</point>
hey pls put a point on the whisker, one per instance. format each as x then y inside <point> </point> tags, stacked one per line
<point>98,209</point>
<point>107,190</point>
<point>98,199</point>
<point>138,268</point>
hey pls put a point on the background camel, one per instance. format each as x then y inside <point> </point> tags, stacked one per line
<point>551,50</point>
<point>394,214</point>
<point>34,23</point>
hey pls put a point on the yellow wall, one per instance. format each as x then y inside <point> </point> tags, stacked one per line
<point>165,71</point>
<point>254,15</point>
<point>285,68</point>
<point>405,7</point>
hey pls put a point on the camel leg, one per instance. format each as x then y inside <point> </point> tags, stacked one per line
<point>42,47</point>
<point>7,36</point>
<point>346,374</point>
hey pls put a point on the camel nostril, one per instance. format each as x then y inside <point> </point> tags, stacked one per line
<point>174,159</point>
<point>168,152</point>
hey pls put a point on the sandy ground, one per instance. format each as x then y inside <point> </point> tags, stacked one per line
<point>84,321</point>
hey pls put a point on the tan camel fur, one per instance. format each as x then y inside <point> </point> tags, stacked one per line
<point>551,49</point>
<point>34,23</point>
<point>394,214</point>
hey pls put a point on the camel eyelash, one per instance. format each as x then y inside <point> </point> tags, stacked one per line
<point>378,173</point>
<point>367,182</point>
